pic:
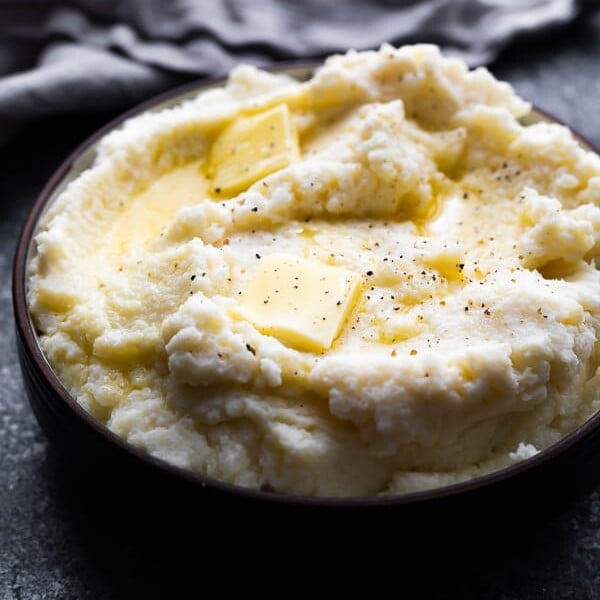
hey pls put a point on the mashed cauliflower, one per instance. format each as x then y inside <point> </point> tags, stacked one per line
<point>463,243</point>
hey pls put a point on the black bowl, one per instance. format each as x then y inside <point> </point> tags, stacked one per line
<point>145,487</point>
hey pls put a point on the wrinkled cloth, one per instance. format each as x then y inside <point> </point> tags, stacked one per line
<point>61,57</point>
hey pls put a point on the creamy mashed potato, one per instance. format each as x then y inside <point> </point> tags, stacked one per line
<point>463,335</point>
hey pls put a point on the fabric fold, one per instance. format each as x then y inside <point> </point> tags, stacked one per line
<point>81,55</point>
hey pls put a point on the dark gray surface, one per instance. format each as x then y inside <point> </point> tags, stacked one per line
<point>56,543</point>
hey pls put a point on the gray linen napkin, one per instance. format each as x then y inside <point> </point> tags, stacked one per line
<point>60,57</point>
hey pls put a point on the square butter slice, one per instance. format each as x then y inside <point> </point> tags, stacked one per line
<point>251,148</point>
<point>302,303</point>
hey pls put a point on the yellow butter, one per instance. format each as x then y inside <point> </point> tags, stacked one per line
<point>448,260</point>
<point>252,148</point>
<point>158,203</point>
<point>121,348</point>
<point>302,303</point>
<point>57,294</point>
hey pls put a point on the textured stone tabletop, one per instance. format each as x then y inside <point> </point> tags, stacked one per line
<point>55,543</point>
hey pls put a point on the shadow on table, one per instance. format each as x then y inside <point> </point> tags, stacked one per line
<point>133,555</point>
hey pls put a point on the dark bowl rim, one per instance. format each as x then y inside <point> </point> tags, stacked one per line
<point>29,339</point>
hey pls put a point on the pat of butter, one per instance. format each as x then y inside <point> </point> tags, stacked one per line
<point>302,303</point>
<point>252,148</point>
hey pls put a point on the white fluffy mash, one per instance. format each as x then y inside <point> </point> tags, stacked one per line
<point>473,343</point>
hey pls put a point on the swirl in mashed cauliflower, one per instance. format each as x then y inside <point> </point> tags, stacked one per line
<point>376,281</point>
